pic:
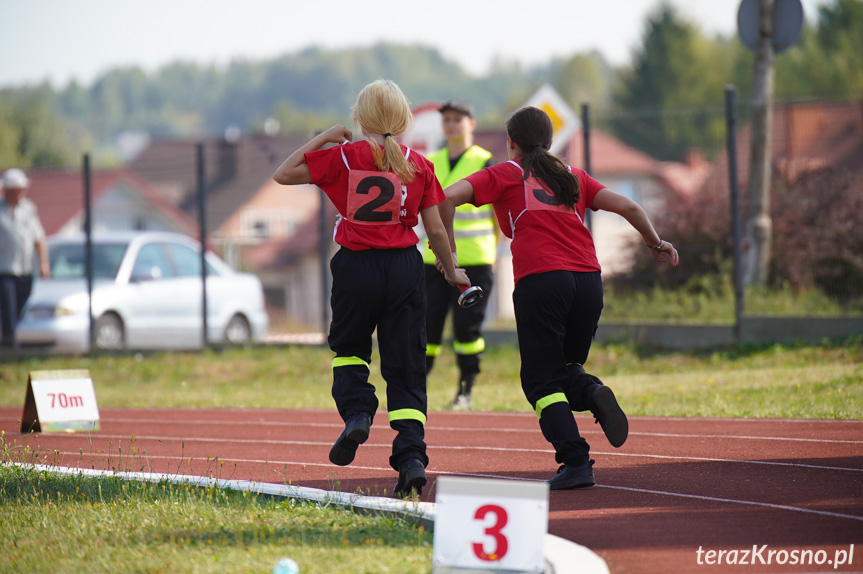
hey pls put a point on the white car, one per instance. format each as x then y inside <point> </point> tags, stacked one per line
<point>146,295</point>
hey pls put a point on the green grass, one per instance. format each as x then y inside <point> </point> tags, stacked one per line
<point>73,524</point>
<point>710,300</point>
<point>807,381</point>
<point>77,524</point>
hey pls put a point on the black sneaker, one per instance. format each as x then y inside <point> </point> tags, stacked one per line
<point>573,477</point>
<point>412,478</point>
<point>356,433</point>
<point>609,415</point>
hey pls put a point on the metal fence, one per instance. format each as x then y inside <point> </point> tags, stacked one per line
<point>696,186</point>
<point>684,166</point>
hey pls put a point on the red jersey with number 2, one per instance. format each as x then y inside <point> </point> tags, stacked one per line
<point>546,235</point>
<point>376,211</point>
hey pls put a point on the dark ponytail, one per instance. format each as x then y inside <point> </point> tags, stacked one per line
<point>531,130</point>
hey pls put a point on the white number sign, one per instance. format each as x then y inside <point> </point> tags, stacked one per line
<point>60,401</point>
<point>490,525</point>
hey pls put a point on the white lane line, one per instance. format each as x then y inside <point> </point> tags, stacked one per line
<point>736,501</point>
<point>610,486</point>
<point>746,437</point>
<point>694,496</point>
<point>468,429</point>
<point>559,553</point>
<point>471,414</point>
<point>485,475</point>
<point>742,461</point>
<point>274,463</point>
<point>744,419</point>
<point>184,440</point>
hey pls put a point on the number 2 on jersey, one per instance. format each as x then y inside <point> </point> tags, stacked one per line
<point>372,197</point>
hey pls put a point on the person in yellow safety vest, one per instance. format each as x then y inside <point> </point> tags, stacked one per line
<point>476,233</point>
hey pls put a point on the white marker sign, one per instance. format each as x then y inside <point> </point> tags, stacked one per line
<point>60,401</point>
<point>490,525</point>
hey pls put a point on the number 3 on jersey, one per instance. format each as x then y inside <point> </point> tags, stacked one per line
<point>372,198</point>
<point>538,197</point>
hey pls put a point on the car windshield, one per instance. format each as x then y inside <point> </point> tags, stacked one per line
<point>68,261</point>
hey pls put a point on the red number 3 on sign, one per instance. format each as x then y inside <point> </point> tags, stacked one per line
<point>501,544</point>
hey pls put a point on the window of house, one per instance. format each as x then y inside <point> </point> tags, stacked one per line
<point>260,229</point>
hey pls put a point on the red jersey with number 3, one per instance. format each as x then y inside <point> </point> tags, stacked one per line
<point>546,235</point>
<point>376,211</point>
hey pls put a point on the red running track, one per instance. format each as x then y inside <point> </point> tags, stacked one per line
<point>678,485</point>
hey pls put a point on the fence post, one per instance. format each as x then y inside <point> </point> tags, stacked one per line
<point>585,130</point>
<point>202,220</point>
<point>88,248</point>
<point>735,209</point>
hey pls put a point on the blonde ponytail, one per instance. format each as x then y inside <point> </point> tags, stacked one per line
<point>382,108</point>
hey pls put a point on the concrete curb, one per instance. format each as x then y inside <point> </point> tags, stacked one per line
<point>562,556</point>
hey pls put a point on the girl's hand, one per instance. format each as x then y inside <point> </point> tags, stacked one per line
<point>665,253</point>
<point>337,134</point>
<point>439,265</point>
<point>460,277</point>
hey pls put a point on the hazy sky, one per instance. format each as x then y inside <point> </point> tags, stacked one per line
<point>60,40</point>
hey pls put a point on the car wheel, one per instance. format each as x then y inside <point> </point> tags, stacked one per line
<point>109,332</point>
<point>238,331</point>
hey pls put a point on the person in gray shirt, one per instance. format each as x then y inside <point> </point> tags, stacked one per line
<point>21,236</point>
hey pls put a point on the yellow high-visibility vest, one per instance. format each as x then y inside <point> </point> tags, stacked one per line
<point>475,233</point>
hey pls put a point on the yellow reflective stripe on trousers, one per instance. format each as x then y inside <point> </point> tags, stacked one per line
<point>549,400</point>
<point>433,350</point>
<point>407,414</point>
<point>348,361</point>
<point>472,348</point>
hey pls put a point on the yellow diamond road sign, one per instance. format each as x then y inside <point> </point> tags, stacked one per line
<point>556,120</point>
<point>563,119</point>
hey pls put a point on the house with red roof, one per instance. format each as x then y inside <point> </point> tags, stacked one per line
<point>275,231</point>
<point>254,223</point>
<point>637,175</point>
<point>807,136</point>
<point>120,200</point>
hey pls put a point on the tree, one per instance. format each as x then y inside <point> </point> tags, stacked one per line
<point>840,35</point>
<point>10,138</point>
<point>35,135</point>
<point>670,101</point>
<point>585,78</point>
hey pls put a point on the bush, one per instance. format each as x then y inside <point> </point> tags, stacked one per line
<point>817,238</point>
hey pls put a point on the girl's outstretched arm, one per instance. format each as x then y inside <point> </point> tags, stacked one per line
<point>294,170</point>
<point>662,251</point>
<point>438,238</point>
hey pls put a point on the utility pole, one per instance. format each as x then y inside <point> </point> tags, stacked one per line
<point>759,227</point>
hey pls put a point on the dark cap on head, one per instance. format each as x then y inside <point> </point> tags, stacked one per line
<point>458,105</point>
